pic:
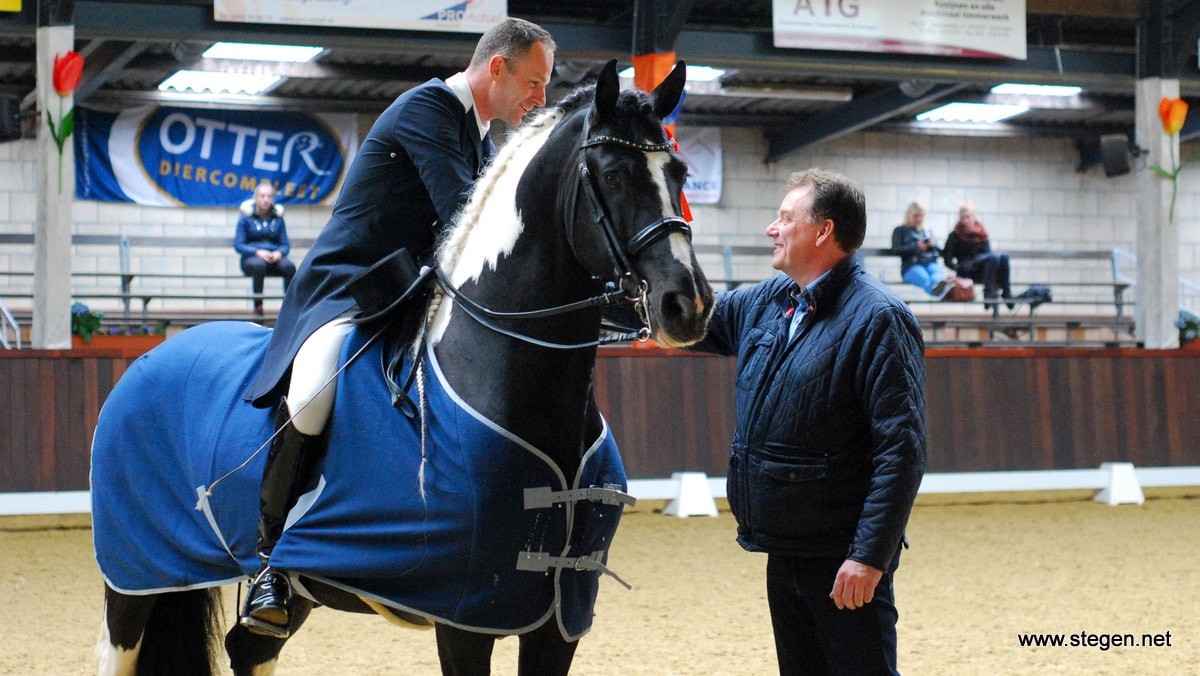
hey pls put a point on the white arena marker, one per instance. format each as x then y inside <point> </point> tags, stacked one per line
<point>694,497</point>
<point>1122,487</point>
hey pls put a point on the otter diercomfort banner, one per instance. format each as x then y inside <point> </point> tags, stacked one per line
<point>166,156</point>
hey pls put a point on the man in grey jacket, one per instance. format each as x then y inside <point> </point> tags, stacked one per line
<point>829,447</point>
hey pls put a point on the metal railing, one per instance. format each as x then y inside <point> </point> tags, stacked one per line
<point>8,323</point>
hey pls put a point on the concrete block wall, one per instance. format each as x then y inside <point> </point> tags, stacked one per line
<point>1027,192</point>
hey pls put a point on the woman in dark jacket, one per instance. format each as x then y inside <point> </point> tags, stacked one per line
<point>969,252</point>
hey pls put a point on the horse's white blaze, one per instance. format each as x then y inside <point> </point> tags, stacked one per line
<point>657,163</point>
<point>465,258</point>
<point>111,660</point>
<point>266,668</point>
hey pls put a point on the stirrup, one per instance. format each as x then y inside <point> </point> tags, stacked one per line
<point>262,626</point>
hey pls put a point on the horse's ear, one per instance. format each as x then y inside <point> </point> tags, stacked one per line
<point>666,94</point>
<point>607,88</point>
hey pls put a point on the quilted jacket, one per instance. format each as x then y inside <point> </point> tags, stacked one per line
<point>829,446</point>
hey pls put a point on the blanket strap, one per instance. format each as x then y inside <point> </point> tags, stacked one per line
<point>541,562</point>
<point>542,497</point>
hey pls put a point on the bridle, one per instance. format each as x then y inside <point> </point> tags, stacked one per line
<point>623,272</point>
<point>625,286</point>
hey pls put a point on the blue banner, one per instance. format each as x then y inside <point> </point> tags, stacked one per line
<point>198,157</point>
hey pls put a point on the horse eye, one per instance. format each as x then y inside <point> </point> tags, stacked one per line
<point>612,179</point>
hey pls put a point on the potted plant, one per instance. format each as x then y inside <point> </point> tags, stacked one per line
<point>131,341</point>
<point>84,322</point>
<point>1189,327</point>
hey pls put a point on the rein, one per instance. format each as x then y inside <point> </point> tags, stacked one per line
<point>484,316</point>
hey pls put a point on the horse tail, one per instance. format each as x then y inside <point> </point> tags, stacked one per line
<point>181,635</point>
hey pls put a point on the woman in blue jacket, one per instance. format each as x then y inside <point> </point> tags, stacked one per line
<point>262,241</point>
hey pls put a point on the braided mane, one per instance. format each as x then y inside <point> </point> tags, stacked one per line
<point>512,159</point>
<point>505,169</point>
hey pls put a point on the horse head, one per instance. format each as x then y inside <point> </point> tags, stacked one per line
<point>628,227</point>
<point>586,194</point>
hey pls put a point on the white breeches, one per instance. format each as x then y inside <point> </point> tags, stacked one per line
<point>313,388</point>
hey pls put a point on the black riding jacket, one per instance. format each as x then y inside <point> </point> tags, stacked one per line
<point>829,447</point>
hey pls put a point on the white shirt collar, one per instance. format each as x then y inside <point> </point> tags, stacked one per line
<point>462,89</point>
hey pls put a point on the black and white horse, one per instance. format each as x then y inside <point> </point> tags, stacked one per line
<point>579,210</point>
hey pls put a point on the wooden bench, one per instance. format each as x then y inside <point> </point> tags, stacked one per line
<point>1067,312</point>
<point>1117,285</point>
<point>1116,331</point>
<point>128,279</point>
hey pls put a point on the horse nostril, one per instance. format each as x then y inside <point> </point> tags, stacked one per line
<point>677,306</point>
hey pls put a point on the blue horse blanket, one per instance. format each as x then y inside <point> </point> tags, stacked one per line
<point>470,526</point>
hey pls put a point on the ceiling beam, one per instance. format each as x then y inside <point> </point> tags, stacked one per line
<point>656,24</point>
<point>851,117</point>
<point>104,60</point>
<point>1100,9</point>
<point>729,49</point>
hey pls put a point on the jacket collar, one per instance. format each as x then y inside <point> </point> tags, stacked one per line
<point>824,291</point>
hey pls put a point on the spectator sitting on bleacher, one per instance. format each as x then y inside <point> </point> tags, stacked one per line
<point>969,253</point>
<point>918,251</point>
<point>262,241</point>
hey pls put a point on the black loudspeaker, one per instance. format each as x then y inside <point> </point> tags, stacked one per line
<point>10,118</point>
<point>1114,154</point>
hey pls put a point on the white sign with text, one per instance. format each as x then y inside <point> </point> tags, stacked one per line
<point>464,16</point>
<point>971,28</point>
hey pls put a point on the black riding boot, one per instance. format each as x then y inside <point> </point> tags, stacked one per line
<point>269,596</point>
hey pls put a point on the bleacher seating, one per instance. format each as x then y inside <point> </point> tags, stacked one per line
<point>1091,304</point>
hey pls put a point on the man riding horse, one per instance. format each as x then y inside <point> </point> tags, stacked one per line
<point>410,176</point>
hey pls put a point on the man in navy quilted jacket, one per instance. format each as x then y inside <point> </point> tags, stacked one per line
<point>829,447</point>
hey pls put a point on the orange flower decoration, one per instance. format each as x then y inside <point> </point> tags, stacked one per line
<point>1173,112</point>
<point>68,68</point>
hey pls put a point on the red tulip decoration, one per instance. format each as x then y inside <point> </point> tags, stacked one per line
<point>68,68</point>
<point>1173,113</point>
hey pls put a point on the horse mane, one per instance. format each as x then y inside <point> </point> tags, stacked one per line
<point>514,155</point>
<point>518,150</point>
<point>533,131</point>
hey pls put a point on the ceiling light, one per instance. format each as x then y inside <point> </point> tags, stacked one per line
<point>789,92</point>
<point>248,51</point>
<point>219,83</point>
<point>703,73</point>
<point>1036,90</point>
<point>971,112</point>
<point>694,73</point>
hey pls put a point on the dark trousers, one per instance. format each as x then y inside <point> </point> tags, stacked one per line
<point>991,270</point>
<point>813,637</point>
<point>253,266</point>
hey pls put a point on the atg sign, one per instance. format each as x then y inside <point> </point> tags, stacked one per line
<point>192,157</point>
<point>971,28</point>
